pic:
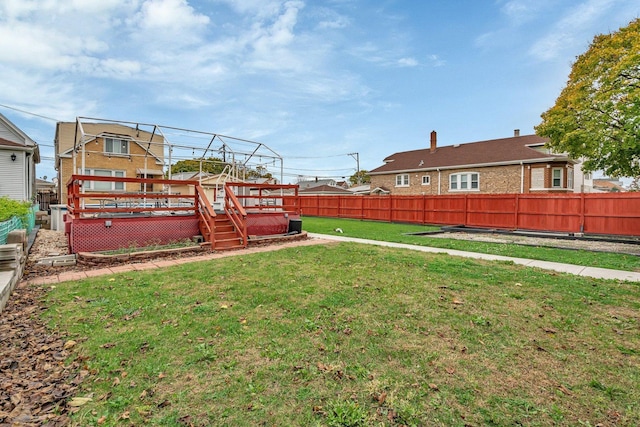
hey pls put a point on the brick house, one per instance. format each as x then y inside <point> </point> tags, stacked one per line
<point>519,164</point>
<point>107,149</point>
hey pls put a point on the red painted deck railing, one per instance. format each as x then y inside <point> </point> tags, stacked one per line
<point>206,219</point>
<point>86,203</point>
<point>236,213</point>
<point>268,197</point>
<point>592,213</point>
<point>82,203</point>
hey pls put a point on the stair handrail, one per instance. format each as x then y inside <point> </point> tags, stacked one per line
<point>236,213</point>
<point>206,213</point>
<point>223,177</point>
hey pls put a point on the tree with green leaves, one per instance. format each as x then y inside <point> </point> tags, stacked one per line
<point>212,165</point>
<point>360,177</point>
<point>258,172</point>
<point>597,115</point>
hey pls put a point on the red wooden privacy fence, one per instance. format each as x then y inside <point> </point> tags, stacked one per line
<point>592,213</point>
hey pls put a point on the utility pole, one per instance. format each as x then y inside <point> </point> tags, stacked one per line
<point>356,157</point>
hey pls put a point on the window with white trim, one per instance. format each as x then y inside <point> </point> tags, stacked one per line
<point>570,178</point>
<point>537,178</point>
<point>116,146</point>
<point>556,178</point>
<point>104,185</point>
<point>402,180</point>
<point>426,179</point>
<point>468,181</point>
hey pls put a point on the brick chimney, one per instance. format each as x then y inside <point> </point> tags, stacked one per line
<point>434,141</point>
<point>516,132</point>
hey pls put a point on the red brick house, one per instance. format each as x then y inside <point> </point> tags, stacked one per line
<point>519,164</point>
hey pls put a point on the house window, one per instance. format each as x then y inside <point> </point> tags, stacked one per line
<point>469,181</point>
<point>426,180</point>
<point>556,178</point>
<point>116,146</point>
<point>104,185</point>
<point>537,178</point>
<point>402,180</point>
<point>570,178</point>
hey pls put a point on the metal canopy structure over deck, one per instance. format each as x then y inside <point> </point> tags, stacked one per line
<point>104,220</point>
<point>178,144</point>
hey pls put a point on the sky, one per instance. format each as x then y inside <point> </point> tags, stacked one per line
<point>323,83</point>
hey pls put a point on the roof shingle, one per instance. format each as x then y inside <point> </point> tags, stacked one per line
<point>495,151</point>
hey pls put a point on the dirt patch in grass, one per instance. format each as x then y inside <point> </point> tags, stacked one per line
<point>600,245</point>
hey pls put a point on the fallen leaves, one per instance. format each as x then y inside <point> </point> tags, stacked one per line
<point>79,401</point>
<point>37,385</point>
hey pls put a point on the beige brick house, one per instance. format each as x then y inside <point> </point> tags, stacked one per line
<point>107,149</point>
<point>519,164</point>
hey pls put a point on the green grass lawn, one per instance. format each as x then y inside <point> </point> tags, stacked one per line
<point>352,335</point>
<point>397,233</point>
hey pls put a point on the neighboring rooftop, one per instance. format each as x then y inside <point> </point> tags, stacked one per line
<point>325,189</point>
<point>526,149</point>
<point>608,185</point>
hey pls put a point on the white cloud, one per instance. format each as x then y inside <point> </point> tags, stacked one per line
<point>384,57</point>
<point>518,12</point>
<point>436,61</point>
<point>181,53</point>
<point>572,29</point>
<point>173,16</point>
<point>407,62</point>
<point>43,94</point>
<point>259,8</point>
<point>330,19</point>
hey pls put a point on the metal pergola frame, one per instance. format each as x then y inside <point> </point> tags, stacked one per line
<point>233,146</point>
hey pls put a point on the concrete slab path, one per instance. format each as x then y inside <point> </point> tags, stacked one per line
<point>579,270</point>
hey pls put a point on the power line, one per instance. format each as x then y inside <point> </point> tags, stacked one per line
<point>30,113</point>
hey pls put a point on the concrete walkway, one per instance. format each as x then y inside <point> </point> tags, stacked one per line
<point>579,270</point>
<point>319,239</point>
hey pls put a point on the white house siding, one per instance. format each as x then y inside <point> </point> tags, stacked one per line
<point>9,135</point>
<point>12,175</point>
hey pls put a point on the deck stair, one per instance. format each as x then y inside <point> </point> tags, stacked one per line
<point>225,229</point>
<point>226,236</point>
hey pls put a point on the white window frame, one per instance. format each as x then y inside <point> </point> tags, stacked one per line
<point>105,185</point>
<point>553,178</point>
<point>426,179</point>
<point>570,178</point>
<point>402,180</point>
<point>116,142</point>
<point>457,180</point>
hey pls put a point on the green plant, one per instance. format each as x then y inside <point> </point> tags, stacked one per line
<point>10,208</point>
<point>346,413</point>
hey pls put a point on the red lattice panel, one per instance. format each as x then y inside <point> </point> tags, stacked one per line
<point>267,223</point>
<point>94,234</point>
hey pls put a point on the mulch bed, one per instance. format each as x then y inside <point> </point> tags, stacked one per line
<point>37,379</point>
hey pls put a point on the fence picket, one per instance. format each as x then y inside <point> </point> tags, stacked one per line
<point>595,213</point>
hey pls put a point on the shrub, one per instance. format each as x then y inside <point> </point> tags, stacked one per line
<point>10,208</point>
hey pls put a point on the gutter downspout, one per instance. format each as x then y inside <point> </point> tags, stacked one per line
<point>521,177</point>
<point>439,185</point>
